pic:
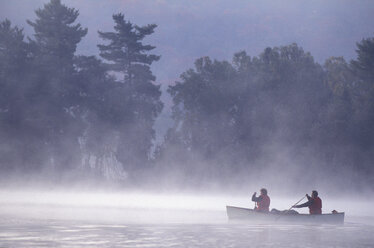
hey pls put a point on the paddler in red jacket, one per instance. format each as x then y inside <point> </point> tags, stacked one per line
<point>262,202</point>
<point>314,203</point>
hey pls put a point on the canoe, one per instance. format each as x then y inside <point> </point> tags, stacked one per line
<point>246,214</point>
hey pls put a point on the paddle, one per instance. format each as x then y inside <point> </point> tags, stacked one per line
<point>285,212</point>
<point>296,203</point>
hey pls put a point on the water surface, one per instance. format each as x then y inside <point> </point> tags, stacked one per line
<point>66,222</point>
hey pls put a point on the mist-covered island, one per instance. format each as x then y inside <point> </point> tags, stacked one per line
<point>103,129</point>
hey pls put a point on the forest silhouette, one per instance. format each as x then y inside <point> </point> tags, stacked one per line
<point>93,117</point>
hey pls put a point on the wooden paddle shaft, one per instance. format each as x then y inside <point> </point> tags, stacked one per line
<point>296,203</point>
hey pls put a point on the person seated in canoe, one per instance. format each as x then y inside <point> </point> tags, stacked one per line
<point>262,201</point>
<point>314,203</point>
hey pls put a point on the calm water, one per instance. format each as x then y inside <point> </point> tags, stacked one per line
<point>39,221</point>
<point>63,233</point>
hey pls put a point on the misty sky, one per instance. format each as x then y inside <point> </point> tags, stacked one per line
<point>189,29</point>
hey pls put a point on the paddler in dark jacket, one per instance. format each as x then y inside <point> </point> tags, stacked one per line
<point>314,203</point>
<point>262,202</point>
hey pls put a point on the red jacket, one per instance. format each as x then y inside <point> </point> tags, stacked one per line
<point>316,207</point>
<point>263,204</point>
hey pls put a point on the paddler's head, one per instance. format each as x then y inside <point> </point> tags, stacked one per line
<point>314,194</point>
<point>263,191</point>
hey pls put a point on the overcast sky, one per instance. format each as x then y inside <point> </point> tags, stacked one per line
<point>189,29</point>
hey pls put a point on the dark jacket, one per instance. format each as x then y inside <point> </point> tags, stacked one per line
<point>314,205</point>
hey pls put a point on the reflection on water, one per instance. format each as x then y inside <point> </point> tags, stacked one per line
<point>62,233</point>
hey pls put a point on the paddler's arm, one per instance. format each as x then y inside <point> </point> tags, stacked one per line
<point>256,199</point>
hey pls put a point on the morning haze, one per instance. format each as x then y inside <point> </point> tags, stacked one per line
<point>282,105</point>
<point>121,119</point>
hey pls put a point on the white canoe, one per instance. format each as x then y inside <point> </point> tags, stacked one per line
<point>246,214</point>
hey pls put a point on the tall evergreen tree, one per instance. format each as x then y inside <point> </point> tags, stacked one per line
<point>127,54</point>
<point>126,51</point>
<point>56,36</point>
<point>55,95</point>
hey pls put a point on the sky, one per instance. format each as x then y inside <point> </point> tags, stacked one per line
<point>190,29</point>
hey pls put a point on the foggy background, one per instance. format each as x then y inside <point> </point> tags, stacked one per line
<point>134,123</point>
<point>284,113</point>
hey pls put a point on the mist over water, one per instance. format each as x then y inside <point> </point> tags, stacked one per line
<point>42,218</point>
<point>135,123</point>
<point>203,203</point>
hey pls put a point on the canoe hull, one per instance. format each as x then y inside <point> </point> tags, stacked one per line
<point>246,214</point>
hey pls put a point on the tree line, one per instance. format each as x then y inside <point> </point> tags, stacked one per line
<point>278,111</point>
<point>61,112</point>
<point>275,117</point>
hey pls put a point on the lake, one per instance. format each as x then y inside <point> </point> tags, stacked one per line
<point>46,223</point>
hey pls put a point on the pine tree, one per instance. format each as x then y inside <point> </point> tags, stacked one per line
<point>127,54</point>
<point>55,96</point>
<point>56,35</point>
<point>126,51</point>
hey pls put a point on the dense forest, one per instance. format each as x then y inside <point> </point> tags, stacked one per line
<point>281,112</point>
